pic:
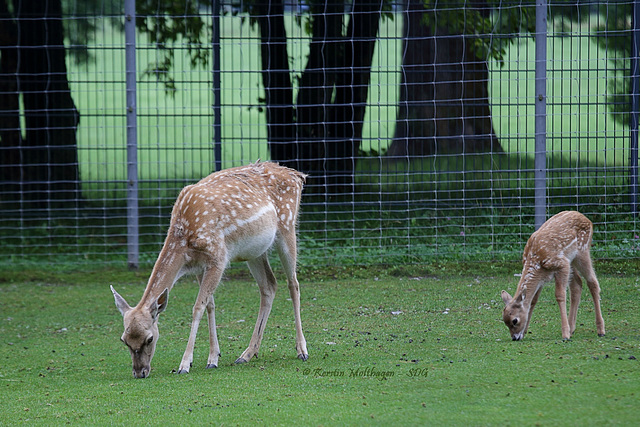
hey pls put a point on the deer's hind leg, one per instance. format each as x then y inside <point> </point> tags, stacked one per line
<point>584,265</point>
<point>287,252</point>
<point>261,271</point>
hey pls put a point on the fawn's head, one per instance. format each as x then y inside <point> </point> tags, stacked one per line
<point>515,314</point>
<point>141,330</point>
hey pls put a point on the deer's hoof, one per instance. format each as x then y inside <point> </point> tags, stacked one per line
<point>303,357</point>
<point>183,371</point>
<point>600,335</point>
<point>240,360</point>
<point>211,366</point>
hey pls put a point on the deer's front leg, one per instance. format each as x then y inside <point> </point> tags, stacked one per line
<point>263,274</point>
<point>214,347</point>
<point>575,288</point>
<point>562,277</point>
<point>209,282</point>
<point>534,301</point>
<point>187,358</point>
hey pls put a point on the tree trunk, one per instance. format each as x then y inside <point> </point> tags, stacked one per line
<point>317,87</point>
<point>49,152</point>
<point>10,136</point>
<point>444,98</point>
<point>352,90</point>
<point>277,83</point>
<point>322,134</point>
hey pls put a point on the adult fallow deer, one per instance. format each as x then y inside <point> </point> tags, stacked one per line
<point>560,249</point>
<point>236,214</point>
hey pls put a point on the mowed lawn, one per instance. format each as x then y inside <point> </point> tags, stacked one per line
<point>400,346</point>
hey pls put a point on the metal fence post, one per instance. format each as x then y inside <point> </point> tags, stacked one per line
<point>132,141</point>
<point>217,103</point>
<point>540,173</point>
<point>635,107</point>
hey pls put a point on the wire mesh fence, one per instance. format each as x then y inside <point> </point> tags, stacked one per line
<point>416,122</point>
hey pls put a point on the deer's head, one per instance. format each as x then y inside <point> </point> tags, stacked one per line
<point>141,330</point>
<point>515,314</point>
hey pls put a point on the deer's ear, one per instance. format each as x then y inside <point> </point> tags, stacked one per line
<point>160,304</point>
<point>506,297</point>
<point>122,305</point>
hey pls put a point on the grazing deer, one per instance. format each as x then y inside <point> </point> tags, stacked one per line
<point>236,214</point>
<point>560,249</point>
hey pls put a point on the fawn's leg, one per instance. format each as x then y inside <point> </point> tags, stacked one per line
<point>585,267</point>
<point>534,301</point>
<point>575,287</point>
<point>562,277</point>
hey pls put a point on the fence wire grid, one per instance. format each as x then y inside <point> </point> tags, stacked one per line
<point>418,122</point>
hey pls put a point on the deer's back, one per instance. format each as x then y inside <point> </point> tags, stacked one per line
<point>558,239</point>
<point>244,205</point>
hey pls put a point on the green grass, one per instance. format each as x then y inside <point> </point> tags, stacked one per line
<point>433,331</point>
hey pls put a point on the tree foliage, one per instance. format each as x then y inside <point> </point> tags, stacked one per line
<point>613,33</point>
<point>166,23</point>
<point>489,27</point>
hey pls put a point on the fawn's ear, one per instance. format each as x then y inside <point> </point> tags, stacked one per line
<point>506,297</point>
<point>122,305</point>
<point>160,304</point>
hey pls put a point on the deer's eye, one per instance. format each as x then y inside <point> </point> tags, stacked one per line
<point>149,340</point>
<point>515,322</point>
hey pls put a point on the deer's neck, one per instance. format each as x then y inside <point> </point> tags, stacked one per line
<point>530,283</point>
<point>165,273</point>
